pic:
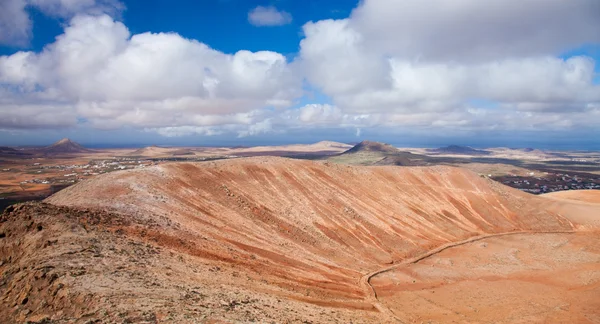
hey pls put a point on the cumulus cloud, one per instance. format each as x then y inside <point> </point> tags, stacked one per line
<point>16,25</point>
<point>435,65</point>
<point>423,63</point>
<point>321,116</point>
<point>261,127</point>
<point>186,131</point>
<point>268,16</point>
<point>100,72</point>
<point>472,30</point>
<point>317,114</point>
<point>34,116</point>
<point>462,117</point>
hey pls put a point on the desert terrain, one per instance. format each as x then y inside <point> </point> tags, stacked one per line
<point>34,173</point>
<point>299,161</point>
<point>268,239</point>
<point>529,170</point>
<point>521,278</point>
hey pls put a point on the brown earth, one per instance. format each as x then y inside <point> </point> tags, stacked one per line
<point>265,239</point>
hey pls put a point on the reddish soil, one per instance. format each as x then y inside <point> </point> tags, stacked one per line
<point>523,278</point>
<point>266,239</point>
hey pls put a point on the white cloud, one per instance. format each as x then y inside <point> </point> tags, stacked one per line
<point>317,114</point>
<point>16,25</point>
<point>101,73</point>
<point>422,63</point>
<point>186,131</point>
<point>473,30</point>
<point>410,64</point>
<point>322,116</point>
<point>268,16</point>
<point>28,116</point>
<point>261,127</point>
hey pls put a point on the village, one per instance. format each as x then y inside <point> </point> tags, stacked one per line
<point>544,182</point>
<point>62,174</point>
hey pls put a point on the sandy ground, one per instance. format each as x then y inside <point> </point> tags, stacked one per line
<point>588,196</point>
<point>274,240</point>
<point>525,278</point>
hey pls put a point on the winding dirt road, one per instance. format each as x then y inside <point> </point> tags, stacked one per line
<point>365,281</point>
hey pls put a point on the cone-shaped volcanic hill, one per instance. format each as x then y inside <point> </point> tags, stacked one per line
<point>371,146</point>
<point>305,233</point>
<point>65,145</point>
<point>377,153</point>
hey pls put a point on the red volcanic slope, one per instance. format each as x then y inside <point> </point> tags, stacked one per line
<point>311,225</point>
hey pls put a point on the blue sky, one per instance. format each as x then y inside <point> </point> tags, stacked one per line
<point>222,24</point>
<point>233,72</point>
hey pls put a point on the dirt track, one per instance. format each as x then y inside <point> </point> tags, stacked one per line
<point>365,281</point>
<point>522,278</point>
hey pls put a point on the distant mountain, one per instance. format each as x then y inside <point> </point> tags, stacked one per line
<point>461,150</point>
<point>6,151</point>
<point>534,151</point>
<point>369,146</point>
<point>65,145</point>
<point>152,150</point>
<point>160,151</point>
<point>376,153</point>
<point>331,144</point>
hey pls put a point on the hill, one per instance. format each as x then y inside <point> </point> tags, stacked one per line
<point>459,150</point>
<point>257,239</point>
<point>376,153</point>
<point>63,146</point>
<point>159,151</point>
<point>6,151</point>
<point>370,146</point>
<point>151,151</point>
<point>330,144</point>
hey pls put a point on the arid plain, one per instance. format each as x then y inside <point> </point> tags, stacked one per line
<point>208,235</point>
